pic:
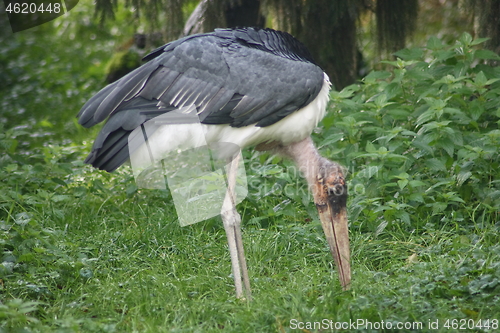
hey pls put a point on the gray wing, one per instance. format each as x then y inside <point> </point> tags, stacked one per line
<point>236,77</point>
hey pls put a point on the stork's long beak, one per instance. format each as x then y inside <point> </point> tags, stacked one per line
<point>330,198</point>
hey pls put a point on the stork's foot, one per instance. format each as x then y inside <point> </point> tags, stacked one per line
<point>232,225</point>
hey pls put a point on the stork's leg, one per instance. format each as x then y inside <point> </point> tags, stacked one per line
<point>241,257</point>
<point>232,225</point>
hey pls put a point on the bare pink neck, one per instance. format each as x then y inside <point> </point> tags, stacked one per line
<point>306,156</point>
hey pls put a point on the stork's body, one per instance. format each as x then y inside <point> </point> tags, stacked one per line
<point>248,87</point>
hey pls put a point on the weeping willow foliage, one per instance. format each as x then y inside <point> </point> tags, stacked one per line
<point>396,21</point>
<point>487,13</point>
<point>104,9</point>
<point>167,13</point>
<point>175,20</point>
<point>329,28</point>
<point>171,14</point>
<point>285,14</point>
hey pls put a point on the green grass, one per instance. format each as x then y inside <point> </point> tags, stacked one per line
<point>112,262</point>
<point>96,255</point>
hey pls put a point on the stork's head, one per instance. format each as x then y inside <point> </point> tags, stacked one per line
<point>330,197</point>
<point>328,186</point>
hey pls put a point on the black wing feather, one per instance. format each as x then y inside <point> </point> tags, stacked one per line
<point>238,77</point>
<point>159,83</point>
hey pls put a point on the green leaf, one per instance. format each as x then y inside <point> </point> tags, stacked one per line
<point>410,54</point>
<point>399,114</point>
<point>456,137</point>
<point>465,39</point>
<point>22,218</point>
<point>436,103</point>
<point>438,207</point>
<point>59,181</point>
<point>377,75</point>
<point>403,175</point>
<point>452,196</point>
<point>12,145</point>
<point>462,177</point>
<point>404,216</point>
<point>491,81</point>
<point>450,79</point>
<point>480,79</point>
<point>425,117</point>
<point>347,92</point>
<point>370,148</point>
<point>435,164</point>
<point>417,183</point>
<point>476,110</point>
<point>434,43</point>
<point>381,101</point>
<point>402,183</point>
<point>416,197</point>
<point>45,123</point>
<point>447,145</point>
<point>60,197</point>
<point>331,139</point>
<point>11,167</point>
<point>444,55</point>
<point>381,228</point>
<point>478,41</point>
<point>486,54</point>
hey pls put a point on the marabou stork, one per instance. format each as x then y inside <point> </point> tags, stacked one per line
<point>248,87</point>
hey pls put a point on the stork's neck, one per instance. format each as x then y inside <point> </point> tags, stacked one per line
<point>307,158</point>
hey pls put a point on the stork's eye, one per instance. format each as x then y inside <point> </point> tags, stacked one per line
<point>337,190</point>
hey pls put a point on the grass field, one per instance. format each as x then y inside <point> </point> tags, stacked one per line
<point>111,262</point>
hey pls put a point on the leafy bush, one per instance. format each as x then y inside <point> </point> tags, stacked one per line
<point>421,139</point>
